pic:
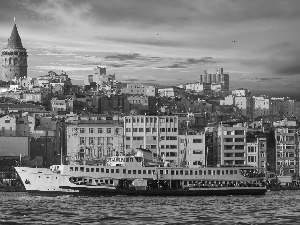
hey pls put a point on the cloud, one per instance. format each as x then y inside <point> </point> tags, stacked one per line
<point>202,60</point>
<point>64,68</point>
<point>123,57</point>
<point>174,66</point>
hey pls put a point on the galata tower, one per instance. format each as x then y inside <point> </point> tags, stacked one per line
<point>14,58</point>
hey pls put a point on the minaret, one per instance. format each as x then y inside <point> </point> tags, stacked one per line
<point>14,58</point>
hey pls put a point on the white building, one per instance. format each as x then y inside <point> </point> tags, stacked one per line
<point>192,150</point>
<point>92,140</point>
<point>159,134</point>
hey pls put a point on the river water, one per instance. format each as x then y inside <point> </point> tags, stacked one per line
<point>274,208</point>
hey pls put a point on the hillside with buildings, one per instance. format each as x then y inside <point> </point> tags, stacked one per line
<point>47,120</point>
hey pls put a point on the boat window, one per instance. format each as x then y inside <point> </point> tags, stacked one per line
<point>200,172</point>
<point>111,181</point>
<point>235,171</point>
<point>196,172</point>
<point>231,171</point>
<point>97,169</point>
<point>76,168</point>
<point>117,171</point>
<point>90,180</point>
<point>133,171</point>
<point>149,171</point>
<point>79,179</point>
<point>172,172</point>
<point>124,170</point>
<point>87,169</point>
<point>204,172</point>
<point>222,172</point>
<point>71,168</point>
<point>112,170</point>
<point>144,171</point>
<point>127,159</point>
<point>218,172</point>
<point>177,172</point>
<point>102,170</point>
<point>208,172</point>
<point>81,169</point>
<point>186,172</point>
<point>107,170</point>
<point>191,172</point>
<point>181,172</point>
<point>185,182</point>
<point>166,171</point>
<point>129,171</point>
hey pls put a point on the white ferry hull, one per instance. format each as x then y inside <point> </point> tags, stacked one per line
<point>42,180</point>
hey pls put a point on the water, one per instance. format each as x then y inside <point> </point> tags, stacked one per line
<point>273,208</point>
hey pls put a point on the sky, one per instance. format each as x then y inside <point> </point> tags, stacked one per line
<point>162,42</point>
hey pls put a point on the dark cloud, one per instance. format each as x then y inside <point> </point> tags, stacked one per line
<point>174,66</point>
<point>123,57</point>
<point>202,60</point>
<point>261,79</point>
<point>287,69</point>
<point>117,65</point>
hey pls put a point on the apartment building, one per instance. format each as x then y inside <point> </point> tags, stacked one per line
<point>92,140</point>
<point>257,152</point>
<point>232,144</point>
<point>287,147</point>
<point>159,134</point>
<point>261,106</point>
<point>192,150</point>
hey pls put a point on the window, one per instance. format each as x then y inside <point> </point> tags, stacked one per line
<point>100,130</point>
<point>239,132</point>
<point>108,130</point>
<point>81,140</point>
<point>128,138</point>
<point>141,129</point>
<point>128,130</point>
<point>7,121</point>
<point>197,151</point>
<point>91,130</point>
<point>91,141</point>
<point>82,130</point>
<point>197,140</point>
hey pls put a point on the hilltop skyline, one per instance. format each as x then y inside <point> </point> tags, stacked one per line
<point>162,42</point>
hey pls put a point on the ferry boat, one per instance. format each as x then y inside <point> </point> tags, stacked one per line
<point>139,175</point>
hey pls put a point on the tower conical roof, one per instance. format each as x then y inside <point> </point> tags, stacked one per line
<point>14,41</point>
